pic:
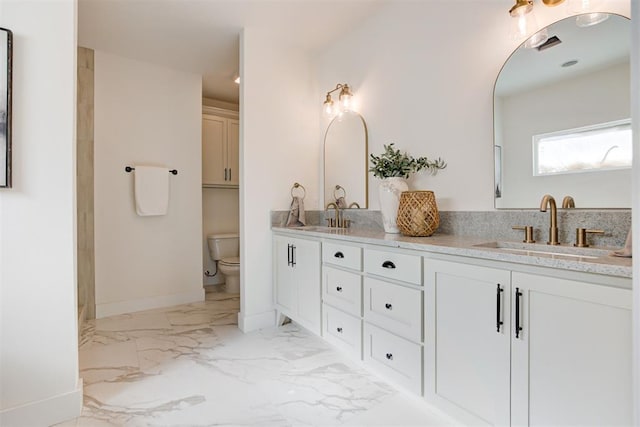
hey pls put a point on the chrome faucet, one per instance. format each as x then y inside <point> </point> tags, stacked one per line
<point>553,227</point>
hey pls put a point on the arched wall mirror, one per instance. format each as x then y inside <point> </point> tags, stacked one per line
<point>345,161</point>
<point>562,118</point>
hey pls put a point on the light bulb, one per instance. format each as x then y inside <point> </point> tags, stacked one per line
<point>329,107</point>
<point>522,25</point>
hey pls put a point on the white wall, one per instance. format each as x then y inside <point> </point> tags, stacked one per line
<point>598,97</point>
<point>39,382</point>
<point>424,75</point>
<point>279,145</point>
<point>146,114</point>
<point>219,215</point>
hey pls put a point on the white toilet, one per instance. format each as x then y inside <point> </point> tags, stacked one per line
<point>225,248</point>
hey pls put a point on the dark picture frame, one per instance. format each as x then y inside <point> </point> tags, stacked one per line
<point>6,45</point>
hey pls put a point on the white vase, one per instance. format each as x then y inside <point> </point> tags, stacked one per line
<point>390,189</point>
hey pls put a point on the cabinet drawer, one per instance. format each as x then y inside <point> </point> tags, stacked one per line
<point>342,255</point>
<point>394,307</point>
<point>342,330</point>
<point>393,265</point>
<point>343,290</point>
<point>398,359</point>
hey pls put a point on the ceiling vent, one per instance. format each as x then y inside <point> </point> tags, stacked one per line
<point>551,42</point>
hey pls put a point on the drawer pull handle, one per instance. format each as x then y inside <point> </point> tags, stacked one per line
<point>389,356</point>
<point>498,307</point>
<point>518,327</point>
<point>339,330</point>
<point>338,255</point>
<point>388,264</point>
<point>388,306</point>
<point>339,288</point>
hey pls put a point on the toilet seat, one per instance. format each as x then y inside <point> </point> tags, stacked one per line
<point>231,261</point>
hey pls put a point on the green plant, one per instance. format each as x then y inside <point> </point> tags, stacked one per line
<point>393,163</point>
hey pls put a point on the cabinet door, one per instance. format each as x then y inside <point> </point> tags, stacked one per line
<point>214,137</point>
<point>571,364</point>
<point>286,296</point>
<point>466,350</point>
<point>233,140</point>
<point>308,282</point>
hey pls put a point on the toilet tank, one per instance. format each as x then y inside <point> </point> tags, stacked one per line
<point>223,245</point>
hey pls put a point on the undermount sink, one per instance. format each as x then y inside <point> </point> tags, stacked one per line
<point>533,249</point>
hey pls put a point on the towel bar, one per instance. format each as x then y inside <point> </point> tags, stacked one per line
<point>129,169</point>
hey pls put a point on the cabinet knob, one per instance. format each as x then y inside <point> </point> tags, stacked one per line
<point>339,288</point>
<point>388,306</point>
<point>338,255</point>
<point>388,264</point>
<point>389,356</point>
<point>339,330</point>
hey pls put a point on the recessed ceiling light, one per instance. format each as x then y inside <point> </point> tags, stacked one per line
<point>569,63</point>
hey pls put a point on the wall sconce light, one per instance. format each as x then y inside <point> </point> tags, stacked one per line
<point>344,101</point>
<point>525,23</point>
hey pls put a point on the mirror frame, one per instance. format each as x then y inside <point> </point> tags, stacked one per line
<point>365,161</point>
<point>497,150</point>
<point>5,125</point>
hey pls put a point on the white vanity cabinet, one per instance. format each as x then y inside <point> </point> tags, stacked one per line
<point>509,348</point>
<point>342,296</point>
<point>571,362</point>
<point>393,315</point>
<point>297,280</point>
<point>220,151</point>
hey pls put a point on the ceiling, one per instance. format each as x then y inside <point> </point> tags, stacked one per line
<point>202,36</point>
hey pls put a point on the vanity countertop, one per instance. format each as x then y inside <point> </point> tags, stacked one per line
<point>466,246</point>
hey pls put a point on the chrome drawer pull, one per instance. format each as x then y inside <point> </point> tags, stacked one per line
<point>339,330</point>
<point>388,264</point>
<point>339,288</point>
<point>338,255</point>
<point>389,356</point>
<point>388,306</point>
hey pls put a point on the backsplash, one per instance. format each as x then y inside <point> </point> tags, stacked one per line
<point>496,225</point>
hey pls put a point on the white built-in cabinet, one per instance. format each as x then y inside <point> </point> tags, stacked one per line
<point>488,342</point>
<point>297,280</point>
<point>510,348</point>
<point>220,150</point>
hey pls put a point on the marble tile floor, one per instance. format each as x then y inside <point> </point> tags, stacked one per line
<point>190,365</point>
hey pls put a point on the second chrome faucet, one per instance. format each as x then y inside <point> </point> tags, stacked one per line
<point>549,201</point>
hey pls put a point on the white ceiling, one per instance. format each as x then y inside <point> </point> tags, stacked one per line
<point>202,36</point>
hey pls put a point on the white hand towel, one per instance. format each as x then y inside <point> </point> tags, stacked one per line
<point>151,190</point>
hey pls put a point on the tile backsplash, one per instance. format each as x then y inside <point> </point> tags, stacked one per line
<point>497,225</point>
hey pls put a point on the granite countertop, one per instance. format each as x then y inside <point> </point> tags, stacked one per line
<point>593,260</point>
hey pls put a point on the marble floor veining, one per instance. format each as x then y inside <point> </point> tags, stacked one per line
<point>190,365</point>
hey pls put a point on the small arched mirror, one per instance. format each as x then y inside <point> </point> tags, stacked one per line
<point>562,118</point>
<point>345,161</point>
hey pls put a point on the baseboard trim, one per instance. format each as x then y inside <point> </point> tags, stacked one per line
<point>148,303</point>
<point>256,321</point>
<point>46,412</point>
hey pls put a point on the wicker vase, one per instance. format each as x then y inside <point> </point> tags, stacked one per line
<point>418,213</point>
